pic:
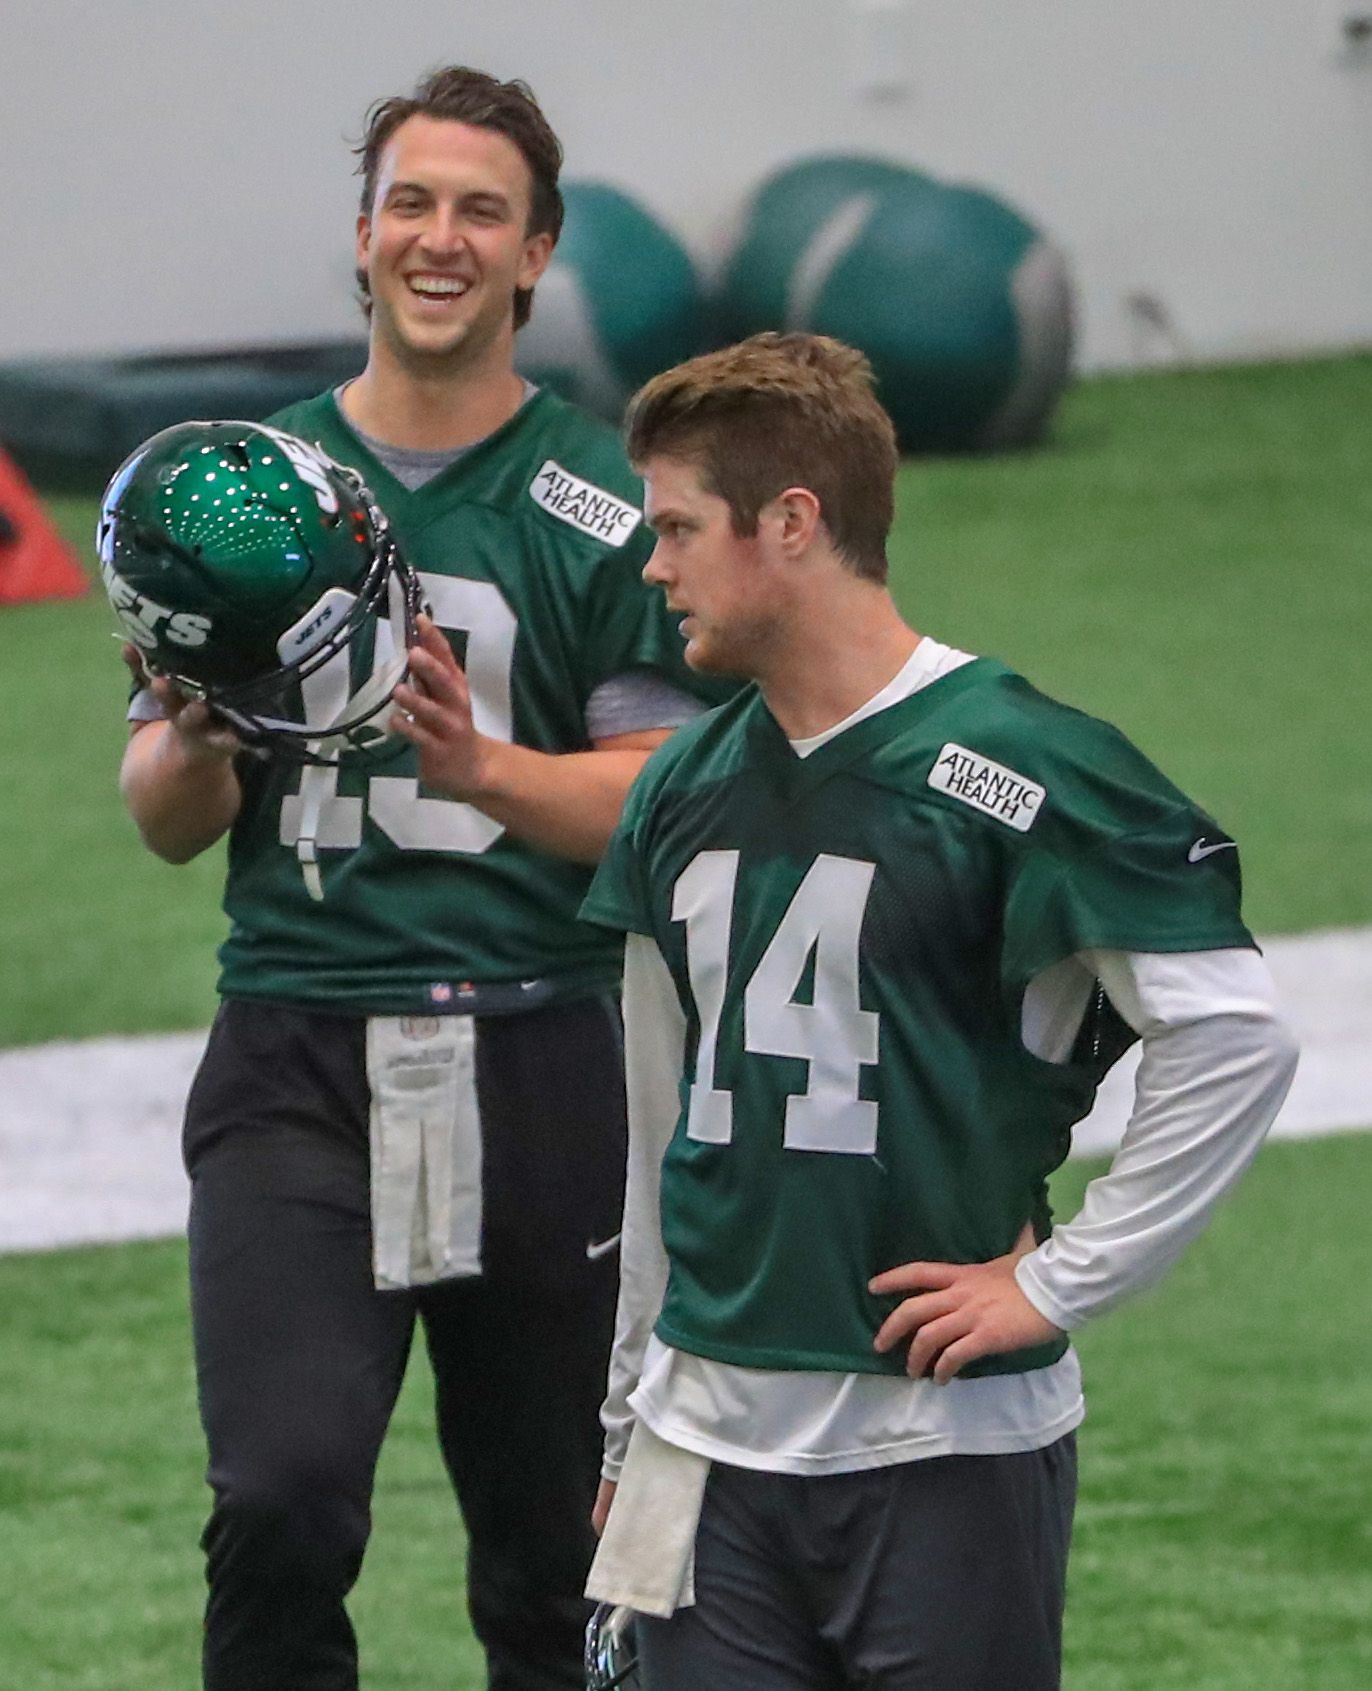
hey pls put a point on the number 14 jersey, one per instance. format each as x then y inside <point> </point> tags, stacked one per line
<point>851,935</point>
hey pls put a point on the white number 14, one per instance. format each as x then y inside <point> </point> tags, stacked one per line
<point>833,1034</point>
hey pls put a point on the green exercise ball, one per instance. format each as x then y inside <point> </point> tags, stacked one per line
<point>963,307</point>
<point>619,302</point>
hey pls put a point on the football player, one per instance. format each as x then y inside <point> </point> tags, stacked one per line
<point>411,1105</point>
<point>891,917</point>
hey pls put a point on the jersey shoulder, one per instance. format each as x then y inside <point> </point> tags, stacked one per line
<point>558,472</point>
<point>588,446</point>
<point>703,752</point>
<point>314,419</point>
<point>1087,760</point>
<point>997,745</point>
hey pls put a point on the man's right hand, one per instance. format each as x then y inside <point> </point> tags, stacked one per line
<point>202,736</point>
<point>604,1497</point>
<point>177,777</point>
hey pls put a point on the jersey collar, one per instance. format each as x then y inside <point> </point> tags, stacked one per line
<point>805,774</point>
<point>392,494</point>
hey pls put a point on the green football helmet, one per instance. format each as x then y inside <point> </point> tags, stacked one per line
<point>257,574</point>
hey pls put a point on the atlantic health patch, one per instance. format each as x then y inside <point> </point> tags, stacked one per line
<point>584,506</point>
<point>989,787</point>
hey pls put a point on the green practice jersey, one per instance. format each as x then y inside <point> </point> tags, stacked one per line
<point>851,935</point>
<point>529,549</point>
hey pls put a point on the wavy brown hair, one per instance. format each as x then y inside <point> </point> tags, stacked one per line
<point>779,411</point>
<point>458,94</point>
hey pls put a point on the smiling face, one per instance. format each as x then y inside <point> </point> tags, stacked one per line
<point>446,245</point>
<point>732,588</point>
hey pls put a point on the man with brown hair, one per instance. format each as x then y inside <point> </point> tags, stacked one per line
<point>891,916</point>
<point>411,1106</point>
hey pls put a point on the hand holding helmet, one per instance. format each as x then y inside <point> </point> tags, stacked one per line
<point>434,713</point>
<point>201,732</point>
<point>266,603</point>
<point>257,576</point>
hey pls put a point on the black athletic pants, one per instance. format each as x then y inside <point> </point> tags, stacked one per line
<point>946,1574</point>
<point>299,1358</point>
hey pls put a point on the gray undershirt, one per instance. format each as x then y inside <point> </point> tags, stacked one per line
<point>412,466</point>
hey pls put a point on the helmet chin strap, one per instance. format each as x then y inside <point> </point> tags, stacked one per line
<point>366,708</point>
<point>368,703</point>
<point>318,780</point>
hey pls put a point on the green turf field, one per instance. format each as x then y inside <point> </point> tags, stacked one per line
<point>1188,558</point>
<point>1224,1539</point>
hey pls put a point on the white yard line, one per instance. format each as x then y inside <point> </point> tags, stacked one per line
<point>89,1132</point>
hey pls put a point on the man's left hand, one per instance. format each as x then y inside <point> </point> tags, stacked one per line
<point>434,713</point>
<point>960,1312</point>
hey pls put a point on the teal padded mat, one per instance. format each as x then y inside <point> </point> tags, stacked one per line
<point>76,420</point>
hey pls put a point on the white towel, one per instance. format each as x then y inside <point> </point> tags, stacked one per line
<point>426,1149</point>
<point>646,1557</point>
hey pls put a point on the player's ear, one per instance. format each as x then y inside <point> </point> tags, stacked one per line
<point>796,516</point>
<point>364,239</point>
<point>538,251</point>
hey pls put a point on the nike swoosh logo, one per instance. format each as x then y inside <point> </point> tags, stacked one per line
<point>598,1248</point>
<point>1199,849</point>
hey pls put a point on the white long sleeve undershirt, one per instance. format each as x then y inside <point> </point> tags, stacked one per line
<point>1217,1062</point>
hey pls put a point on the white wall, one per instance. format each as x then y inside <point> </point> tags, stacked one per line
<point>175,172</point>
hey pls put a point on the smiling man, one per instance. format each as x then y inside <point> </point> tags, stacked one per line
<point>891,916</point>
<point>458,222</point>
<point>411,1108</point>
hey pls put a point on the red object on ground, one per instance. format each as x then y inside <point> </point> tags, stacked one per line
<point>35,562</point>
